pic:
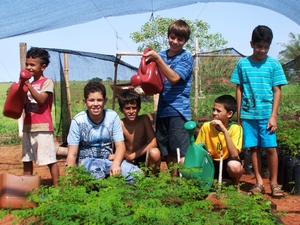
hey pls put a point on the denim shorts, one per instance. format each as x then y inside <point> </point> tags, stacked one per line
<point>256,134</point>
<point>100,168</point>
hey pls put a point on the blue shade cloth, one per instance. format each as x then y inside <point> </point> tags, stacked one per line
<point>19,17</point>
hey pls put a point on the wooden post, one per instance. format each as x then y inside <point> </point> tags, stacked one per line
<point>196,78</point>
<point>23,51</point>
<point>155,102</point>
<point>66,75</point>
<point>118,57</point>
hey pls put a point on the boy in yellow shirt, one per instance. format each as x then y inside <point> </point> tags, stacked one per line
<point>223,134</point>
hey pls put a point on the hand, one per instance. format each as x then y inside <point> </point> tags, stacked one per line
<point>272,125</point>
<point>151,56</point>
<point>27,83</point>
<point>129,157</point>
<point>218,124</point>
<point>115,169</point>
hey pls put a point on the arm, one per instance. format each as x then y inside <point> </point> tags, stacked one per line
<point>238,93</point>
<point>40,98</point>
<point>118,158</point>
<point>152,143</point>
<point>272,123</point>
<point>72,154</point>
<point>170,74</point>
<point>233,151</point>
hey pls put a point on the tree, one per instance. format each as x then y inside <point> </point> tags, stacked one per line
<point>292,48</point>
<point>290,57</point>
<point>153,34</point>
<point>96,79</point>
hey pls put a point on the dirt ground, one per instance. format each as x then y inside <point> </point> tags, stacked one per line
<point>10,162</point>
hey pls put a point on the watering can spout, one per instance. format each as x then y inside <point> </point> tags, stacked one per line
<point>190,127</point>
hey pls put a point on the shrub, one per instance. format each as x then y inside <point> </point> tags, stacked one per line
<point>80,199</point>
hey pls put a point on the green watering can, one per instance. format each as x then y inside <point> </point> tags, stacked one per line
<point>198,163</point>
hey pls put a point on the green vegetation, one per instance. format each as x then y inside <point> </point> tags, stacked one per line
<point>80,199</point>
<point>153,34</point>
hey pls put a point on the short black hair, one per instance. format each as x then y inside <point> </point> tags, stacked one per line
<point>94,86</point>
<point>129,96</point>
<point>40,53</point>
<point>262,33</point>
<point>228,102</point>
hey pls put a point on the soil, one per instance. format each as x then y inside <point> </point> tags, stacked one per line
<point>288,208</point>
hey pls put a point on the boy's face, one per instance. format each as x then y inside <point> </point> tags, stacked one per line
<point>130,111</point>
<point>176,44</point>
<point>220,113</point>
<point>260,50</point>
<point>35,67</point>
<point>95,104</point>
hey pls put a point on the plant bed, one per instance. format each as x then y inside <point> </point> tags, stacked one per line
<point>80,199</point>
<point>288,208</point>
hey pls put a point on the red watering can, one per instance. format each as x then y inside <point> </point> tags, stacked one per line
<point>148,77</point>
<point>16,97</point>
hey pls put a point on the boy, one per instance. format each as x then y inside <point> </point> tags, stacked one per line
<point>222,134</point>
<point>38,140</point>
<point>259,79</point>
<point>93,133</point>
<point>138,132</point>
<point>174,100</point>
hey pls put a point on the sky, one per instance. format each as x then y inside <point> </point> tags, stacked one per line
<point>112,34</point>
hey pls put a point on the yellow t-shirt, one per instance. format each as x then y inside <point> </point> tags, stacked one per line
<point>215,140</point>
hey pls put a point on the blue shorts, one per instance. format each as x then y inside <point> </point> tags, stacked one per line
<point>256,134</point>
<point>100,168</point>
<point>171,134</point>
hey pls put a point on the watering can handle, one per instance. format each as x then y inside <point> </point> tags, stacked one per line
<point>143,65</point>
<point>202,145</point>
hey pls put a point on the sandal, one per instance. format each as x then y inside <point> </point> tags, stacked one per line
<point>257,188</point>
<point>276,191</point>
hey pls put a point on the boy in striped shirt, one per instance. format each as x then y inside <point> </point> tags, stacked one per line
<point>259,78</point>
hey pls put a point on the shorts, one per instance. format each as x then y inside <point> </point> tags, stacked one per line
<point>256,134</point>
<point>100,168</point>
<point>225,173</point>
<point>140,161</point>
<point>39,147</point>
<point>171,134</point>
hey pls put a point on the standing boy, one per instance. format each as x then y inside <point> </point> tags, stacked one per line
<point>222,136</point>
<point>38,140</point>
<point>138,132</point>
<point>259,79</point>
<point>174,100</point>
<point>94,134</point>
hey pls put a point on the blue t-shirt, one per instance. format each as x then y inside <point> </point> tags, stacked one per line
<point>174,100</point>
<point>95,140</point>
<point>257,80</point>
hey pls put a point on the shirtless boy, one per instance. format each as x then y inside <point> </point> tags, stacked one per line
<point>138,133</point>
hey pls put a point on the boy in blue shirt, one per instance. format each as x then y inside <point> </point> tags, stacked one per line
<point>174,100</point>
<point>96,135</point>
<point>259,78</point>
